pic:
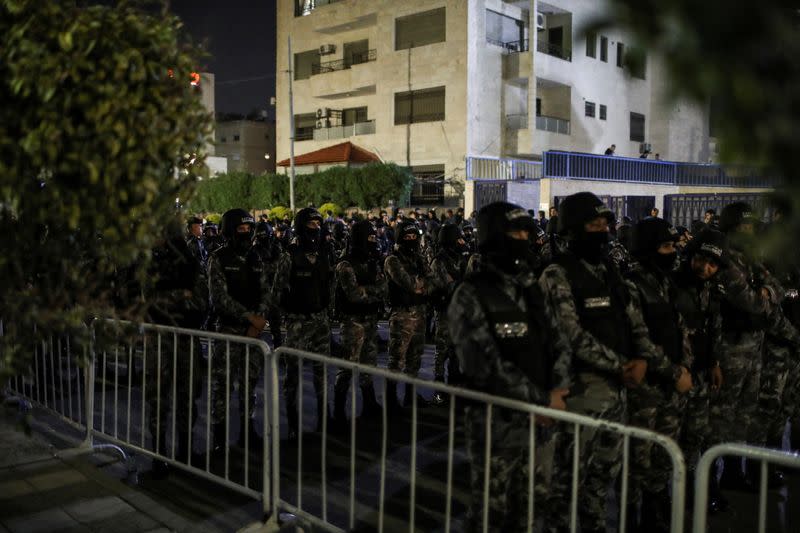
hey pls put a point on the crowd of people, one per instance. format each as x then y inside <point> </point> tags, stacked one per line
<point>684,331</point>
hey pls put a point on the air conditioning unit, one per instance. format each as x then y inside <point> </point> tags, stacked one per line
<point>540,21</point>
<point>323,124</point>
<point>645,148</point>
<point>327,49</point>
<point>323,112</point>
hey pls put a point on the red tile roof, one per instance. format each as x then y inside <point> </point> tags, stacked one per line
<point>345,152</point>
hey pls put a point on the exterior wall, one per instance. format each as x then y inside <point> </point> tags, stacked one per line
<point>256,139</point>
<point>374,84</point>
<point>207,89</point>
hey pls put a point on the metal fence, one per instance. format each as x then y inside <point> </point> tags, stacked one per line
<point>340,503</point>
<point>704,473</point>
<point>553,124</point>
<point>493,168</point>
<point>683,209</point>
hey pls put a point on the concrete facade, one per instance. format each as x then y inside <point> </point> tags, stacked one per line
<point>494,63</point>
<point>245,144</point>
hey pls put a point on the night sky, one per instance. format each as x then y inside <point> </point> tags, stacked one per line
<point>240,38</point>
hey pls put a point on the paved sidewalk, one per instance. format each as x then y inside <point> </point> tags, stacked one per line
<point>46,487</point>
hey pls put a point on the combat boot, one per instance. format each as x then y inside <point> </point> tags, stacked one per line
<point>254,440</point>
<point>372,409</point>
<point>438,397</point>
<point>339,403</point>
<point>322,415</point>
<point>392,405</point>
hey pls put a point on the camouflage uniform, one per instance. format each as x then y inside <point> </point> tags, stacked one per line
<point>596,391</point>
<point>655,404</point>
<point>303,286</point>
<point>744,316</point>
<point>446,272</point>
<point>180,299</point>
<point>407,320</point>
<point>488,369</point>
<point>358,301</point>
<point>239,286</point>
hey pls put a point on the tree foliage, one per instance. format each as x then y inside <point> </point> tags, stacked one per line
<point>365,187</point>
<point>100,131</point>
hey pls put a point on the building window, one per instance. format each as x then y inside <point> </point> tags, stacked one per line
<point>602,112</point>
<point>604,49</point>
<point>304,126</point>
<point>639,67</point>
<point>620,55</point>
<point>538,107</point>
<point>502,30</point>
<point>637,127</point>
<point>354,115</point>
<point>223,139</point>
<point>589,109</point>
<point>426,105</point>
<point>591,45</point>
<point>420,29</point>
<point>304,63</point>
<point>235,138</point>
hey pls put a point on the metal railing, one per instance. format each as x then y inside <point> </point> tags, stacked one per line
<point>553,124</point>
<point>511,47</point>
<point>357,58</point>
<point>554,50</point>
<point>357,508</point>
<point>576,165</point>
<point>704,473</point>
<point>304,134</point>
<point>306,7</point>
<point>517,121</point>
<point>427,191</point>
<point>493,168</point>
<point>342,132</point>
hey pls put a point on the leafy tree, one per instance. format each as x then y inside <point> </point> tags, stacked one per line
<point>100,132</point>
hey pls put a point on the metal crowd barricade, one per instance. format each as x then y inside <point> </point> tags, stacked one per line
<point>126,370</point>
<point>56,379</point>
<point>321,518</point>
<point>704,473</point>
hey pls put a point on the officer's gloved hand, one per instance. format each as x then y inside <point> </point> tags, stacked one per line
<point>633,373</point>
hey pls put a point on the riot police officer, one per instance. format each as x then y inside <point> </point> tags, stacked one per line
<point>303,280</point>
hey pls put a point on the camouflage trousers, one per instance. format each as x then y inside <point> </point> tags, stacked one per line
<point>406,340</point>
<point>734,410</point>
<point>243,364</point>
<point>659,408</point>
<point>600,455</point>
<point>159,371</point>
<point>695,434</point>
<point>310,333</point>
<point>445,353</point>
<point>359,345</point>
<point>509,469</point>
<point>771,420</point>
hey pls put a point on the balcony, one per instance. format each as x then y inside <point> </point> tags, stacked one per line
<point>492,168</point>
<point>553,50</point>
<point>517,121</point>
<point>344,64</point>
<point>343,132</point>
<point>553,124</point>
<point>303,8</point>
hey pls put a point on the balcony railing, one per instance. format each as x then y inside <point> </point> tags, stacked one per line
<point>512,46</point>
<point>517,121</point>
<point>554,50</point>
<point>493,168</point>
<point>343,132</point>
<point>554,124</point>
<point>306,7</point>
<point>344,64</point>
<point>592,167</point>
<point>611,168</point>
<point>304,134</point>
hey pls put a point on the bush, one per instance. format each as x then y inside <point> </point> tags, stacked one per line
<point>100,132</point>
<point>329,206</point>
<point>214,218</point>
<point>280,212</point>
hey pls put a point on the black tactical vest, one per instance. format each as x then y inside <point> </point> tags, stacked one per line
<point>242,276</point>
<point>521,336</point>
<point>400,297</point>
<point>600,304</point>
<point>366,276</point>
<point>661,319</point>
<point>309,283</point>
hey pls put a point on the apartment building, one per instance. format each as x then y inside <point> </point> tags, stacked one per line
<point>248,145</point>
<point>428,83</point>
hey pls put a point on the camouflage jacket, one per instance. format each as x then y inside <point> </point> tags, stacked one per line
<point>478,351</point>
<point>585,346</point>
<point>225,305</point>
<point>347,281</point>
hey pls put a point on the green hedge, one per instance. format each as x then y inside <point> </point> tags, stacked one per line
<point>373,185</point>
